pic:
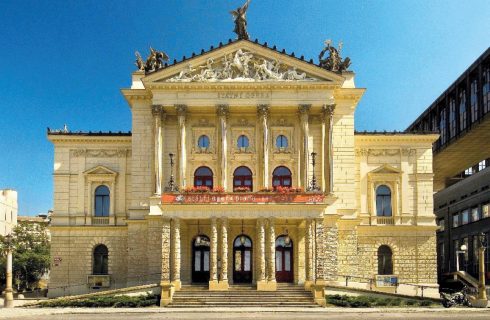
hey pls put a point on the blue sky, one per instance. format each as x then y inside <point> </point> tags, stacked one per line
<point>65,61</point>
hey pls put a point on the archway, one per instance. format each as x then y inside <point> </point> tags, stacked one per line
<point>200,259</point>
<point>242,259</point>
<point>284,259</point>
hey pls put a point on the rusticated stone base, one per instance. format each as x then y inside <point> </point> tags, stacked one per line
<point>167,294</point>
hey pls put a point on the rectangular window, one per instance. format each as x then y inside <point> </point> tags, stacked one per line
<point>485,210</point>
<point>442,126</point>
<point>462,110</point>
<point>469,171</point>
<point>486,90</point>
<point>442,224</point>
<point>475,214</point>
<point>465,215</point>
<point>455,220</point>
<point>474,100</point>
<point>452,118</point>
<point>482,165</point>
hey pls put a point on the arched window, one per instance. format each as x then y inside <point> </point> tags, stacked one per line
<point>203,177</point>
<point>242,178</point>
<point>281,141</point>
<point>281,176</point>
<point>385,260</point>
<point>101,260</point>
<point>203,142</point>
<point>242,141</point>
<point>102,201</point>
<point>383,201</point>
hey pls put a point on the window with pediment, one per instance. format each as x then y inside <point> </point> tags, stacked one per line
<point>384,183</point>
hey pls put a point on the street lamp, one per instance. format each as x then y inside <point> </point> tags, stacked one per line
<point>171,183</point>
<point>313,186</point>
<point>8,301</point>
<point>458,252</point>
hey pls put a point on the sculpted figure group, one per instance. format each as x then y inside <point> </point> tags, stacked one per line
<point>239,66</point>
<point>334,61</point>
<point>155,60</point>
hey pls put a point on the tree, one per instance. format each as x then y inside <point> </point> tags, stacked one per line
<point>31,254</point>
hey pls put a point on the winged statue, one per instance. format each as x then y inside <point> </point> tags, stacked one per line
<point>241,21</point>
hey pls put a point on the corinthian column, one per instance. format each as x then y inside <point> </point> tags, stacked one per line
<point>181,115</point>
<point>158,118</point>
<point>224,250</point>
<point>304,111</point>
<point>213,274</point>
<point>176,253</point>
<point>309,253</point>
<point>327,160</point>
<point>272,254</point>
<point>263,112</point>
<point>223,112</point>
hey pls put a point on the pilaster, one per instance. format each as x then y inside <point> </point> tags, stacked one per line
<point>181,146</point>
<point>223,112</point>
<point>263,112</point>
<point>158,117</point>
<point>304,111</point>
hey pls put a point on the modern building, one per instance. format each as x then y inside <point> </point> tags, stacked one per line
<point>461,159</point>
<point>242,167</point>
<point>8,211</point>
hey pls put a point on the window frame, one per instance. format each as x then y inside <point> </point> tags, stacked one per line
<point>386,266</point>
<point>103,259</point>
<point>243,178</point>
<point>282,178</point>
<point>243,138</point>
<point>204,178</point>
<point>105,198</point>
<point>279,143</point>
<point>203,138</point>
<point>384,198</point>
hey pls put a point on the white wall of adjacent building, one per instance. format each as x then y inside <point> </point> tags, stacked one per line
<point>8,210</point>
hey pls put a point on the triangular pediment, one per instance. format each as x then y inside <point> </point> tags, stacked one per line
<point>386,168</point>
<point>243,61</point>
<point>100,170</point>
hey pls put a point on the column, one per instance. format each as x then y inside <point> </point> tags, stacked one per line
<point>263,112</point>
<point>223,112</point>
<point>167,287</point>
<point>309,254</point>
<point>213,256</point>
<point>175,271</point>
<point>319,286</point>
<point>261,278</point>
<point>181,117</point>
<point>304,111</point>
<point>329,167</point>
<point>158,118</point>
<point>224,252</point>
<point>272,256</point>
<point>9,296</point>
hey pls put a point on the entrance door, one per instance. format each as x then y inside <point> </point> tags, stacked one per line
<point>200,259</point>
<point>284,259</point>
<point>242,259</point>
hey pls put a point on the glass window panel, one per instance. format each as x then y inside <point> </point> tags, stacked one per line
<point>98,206</point>
<point>198,182</point>
<point>465,217</point>
<point>475,214</point>
<point>247,262</point>
<point>278,261</point>
<point>486,211</point>
<point>247,182</point>
<point>287,182</point>
<point>238,182</point>
<point>238,261</point>
<point>197,260</point>
<point>206,261</point>
<point>105,210</point>
<point>209,183</point>
<point>287,261</point>
<point>455,220</point>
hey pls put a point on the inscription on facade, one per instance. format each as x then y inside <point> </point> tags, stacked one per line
<point>242,198</point>
<point>243,95</point>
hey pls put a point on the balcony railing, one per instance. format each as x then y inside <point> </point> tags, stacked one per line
<point>100,221</point>
<point>385,220</point>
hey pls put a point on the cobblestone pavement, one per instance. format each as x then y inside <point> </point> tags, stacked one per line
<point>244,313</point>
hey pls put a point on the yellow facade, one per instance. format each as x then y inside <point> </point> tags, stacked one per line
<point>151,240</point>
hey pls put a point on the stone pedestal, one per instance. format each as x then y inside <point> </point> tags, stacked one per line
<point>215,285</point>
<point>318,290</point>
<point>266,285</point>
<point>167,293</point>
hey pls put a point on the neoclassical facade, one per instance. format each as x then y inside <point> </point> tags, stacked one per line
<point>242,167</point>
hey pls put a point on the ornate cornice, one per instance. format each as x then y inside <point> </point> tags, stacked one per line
<point>384,152</point>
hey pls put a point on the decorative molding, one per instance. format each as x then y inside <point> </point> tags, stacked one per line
<point>101,153</point>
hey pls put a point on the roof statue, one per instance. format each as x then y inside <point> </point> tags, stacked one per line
<point>241,21</point>
<point>154,61</point>
<point>334,61</point>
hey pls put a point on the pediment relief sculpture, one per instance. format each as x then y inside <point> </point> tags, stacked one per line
<point>241,65</point>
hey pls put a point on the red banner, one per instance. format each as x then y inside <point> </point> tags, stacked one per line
<point>197,198</point>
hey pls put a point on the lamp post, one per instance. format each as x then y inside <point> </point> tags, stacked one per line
<point>458,252</point>
<point>482,294</point>
<point>313,186</point>
<point>8,301</point>
<point>171,182</point>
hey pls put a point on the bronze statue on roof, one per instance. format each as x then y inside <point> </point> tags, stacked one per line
<point>241,21</point>
<point>155,60</point>
<point>334,61</point>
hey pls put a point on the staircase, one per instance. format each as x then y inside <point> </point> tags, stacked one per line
<point>287,295</point>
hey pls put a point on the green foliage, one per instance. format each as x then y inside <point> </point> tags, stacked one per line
<point>105,301</point>
<point>372,301</point>
<point>31,255</point>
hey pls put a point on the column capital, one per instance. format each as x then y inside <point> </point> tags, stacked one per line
<point>181,109</point>
<point>223,110</point>
<point>327,111</point>
<point>158,111</point>
<point>263,110</point>
<point>304,108</point>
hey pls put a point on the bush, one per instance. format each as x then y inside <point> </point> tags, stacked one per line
<point>411,302</point>
<point>425,303</point>
<point>104,302</point>
<point>371,301</point>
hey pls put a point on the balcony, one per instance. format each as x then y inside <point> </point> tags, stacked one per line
<point>100,221</point>
<point>242,197</point>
